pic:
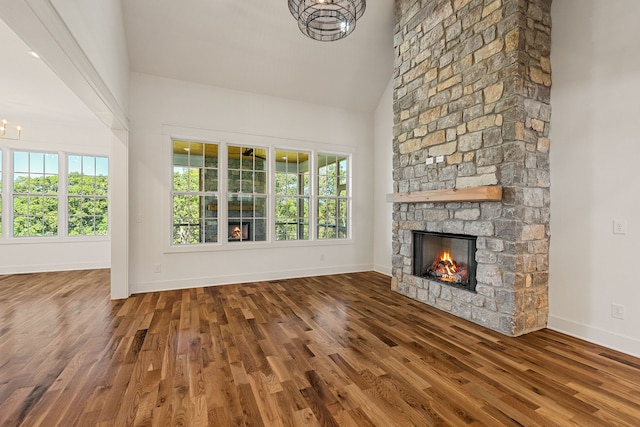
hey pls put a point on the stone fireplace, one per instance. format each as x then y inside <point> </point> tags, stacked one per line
<point>472,82</point>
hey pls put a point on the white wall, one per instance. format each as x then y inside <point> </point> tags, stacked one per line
<point>163,107</point>
<point>595,173</point>
<point>383,182</point>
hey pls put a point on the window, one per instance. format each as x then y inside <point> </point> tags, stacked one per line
<point>292,195</point>
<point>247,193</point>
<point>333,197</point>
<point>232,194</point>
<point>35,194</point>
<point>88,189</point>
<point>195,192</point>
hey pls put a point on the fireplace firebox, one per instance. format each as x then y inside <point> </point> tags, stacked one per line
<point>446,258</point>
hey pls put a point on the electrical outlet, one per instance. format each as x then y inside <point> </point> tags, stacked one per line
<point>617,311</point>
<point>619,226</point>
<point>157,268</point>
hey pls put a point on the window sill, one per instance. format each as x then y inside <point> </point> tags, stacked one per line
<point>240,246</point>
<point>52,240</point>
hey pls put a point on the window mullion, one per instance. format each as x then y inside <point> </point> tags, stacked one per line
<point>63,195</point>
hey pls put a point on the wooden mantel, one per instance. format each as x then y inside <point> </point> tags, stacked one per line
<point>470,194</point>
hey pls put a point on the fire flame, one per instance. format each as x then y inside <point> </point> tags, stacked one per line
<point>449,267</point>
<point>236,232</point>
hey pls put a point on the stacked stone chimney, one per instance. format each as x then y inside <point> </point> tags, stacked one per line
<point>472,82</point>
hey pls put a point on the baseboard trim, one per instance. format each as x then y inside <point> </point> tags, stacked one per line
<point>598,336</point>
<point>166,285</point>
<point>43,268</point>
<point>383,269</point>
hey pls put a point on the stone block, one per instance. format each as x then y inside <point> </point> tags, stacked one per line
<point>453,226</point>
<point>488,50</point>
<point>443,149</point>
<point>444,304</point>
<point>470,141</point>
<point>533,232</point>
<point>486,257</point>
<point>436,214</point>
<point>490,319</point>
<point>487,291</point>
<point>479,228</point>
<point>461,309</point>
<point>434,138</point>
<point>490,210</point>
<point>467,214</point>
<point>481,123</point>
<point>475,181</point>
<point>489,156</point>
<point>448,173</point>
<point>489,274</point>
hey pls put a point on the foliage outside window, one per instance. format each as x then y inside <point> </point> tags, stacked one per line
<point>292,195</point>
<point>88,190</point>
<point>35,194</point>
<point>195,193</point>
<point>247,193</point>
<point>333,197</point>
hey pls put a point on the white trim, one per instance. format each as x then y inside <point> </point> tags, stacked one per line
<point>39,24</point>
<point>594,335</point>
<point>382,269</point>
<point>200,282</point>
<point>42,268</point>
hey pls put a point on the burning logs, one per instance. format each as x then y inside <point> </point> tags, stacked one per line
<point>447,269</point>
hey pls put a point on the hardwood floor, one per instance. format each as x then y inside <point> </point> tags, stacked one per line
<point>339,350</point>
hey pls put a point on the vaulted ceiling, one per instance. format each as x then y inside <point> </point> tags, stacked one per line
<point>256,46</point>
<point>249,45</point>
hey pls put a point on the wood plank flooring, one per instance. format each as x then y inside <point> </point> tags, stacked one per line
<point>339,350</point>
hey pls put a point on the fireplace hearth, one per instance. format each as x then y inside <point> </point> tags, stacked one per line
<point>445,258</point>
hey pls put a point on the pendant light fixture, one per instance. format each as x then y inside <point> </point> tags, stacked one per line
<point>327,20</point>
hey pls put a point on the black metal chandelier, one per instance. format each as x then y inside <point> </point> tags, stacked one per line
<point>327,20</point>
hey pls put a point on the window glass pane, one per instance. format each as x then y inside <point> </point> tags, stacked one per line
<point>51,163</point>
<point>194,192</point>
<point>35,187</point>
<point>36,163</point>
<point>88,177</point>
<point>247,188</point>
<point>102,166</point>
<point>247,182</point>
<point>75,164</point>
<point>333,202</point>
<point>290,214</point>
<point>20,161</point>
<point>88,166</point>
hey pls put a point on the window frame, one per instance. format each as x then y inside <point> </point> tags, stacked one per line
<point>271,144</point>
<point>6,192</point>
<point>67,195</point>
<point>59,230</point>
<point>337,198</point>
<point>200,193</point>
<point>300,196</point>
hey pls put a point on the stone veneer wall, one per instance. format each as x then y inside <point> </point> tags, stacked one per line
<point>472,82</point>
